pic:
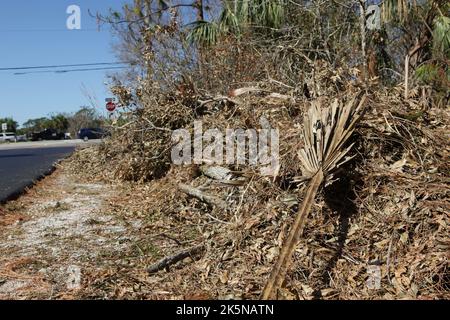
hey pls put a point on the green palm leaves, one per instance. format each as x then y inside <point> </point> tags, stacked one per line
<point>398,10</point>
<point>236,16</point>
<point>205,33</point>
<point>441,35</point>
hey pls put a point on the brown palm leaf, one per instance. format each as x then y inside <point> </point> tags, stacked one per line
<point>325,133</point>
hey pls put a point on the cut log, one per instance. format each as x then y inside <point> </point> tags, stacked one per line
<point>276,98</point>
<point>216,172</point>
<point>240,91</point>
<point>202,196</point>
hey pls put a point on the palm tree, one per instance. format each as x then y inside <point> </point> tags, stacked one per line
<point>236,16</point>
<point>399,10</point>
<point>435,35</point>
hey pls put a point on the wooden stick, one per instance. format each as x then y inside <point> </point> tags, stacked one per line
<point>167,261</point>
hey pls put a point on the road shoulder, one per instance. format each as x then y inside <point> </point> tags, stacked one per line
<point>54,235</point>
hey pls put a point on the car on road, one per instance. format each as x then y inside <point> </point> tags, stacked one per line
<point>21,138</point>
<point>91,133</point>
<point>8,137</point>
<point>47,134</point>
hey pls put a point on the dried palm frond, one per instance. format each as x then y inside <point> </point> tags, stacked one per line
<point>326,132</point>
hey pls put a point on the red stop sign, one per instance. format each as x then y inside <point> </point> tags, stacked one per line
<point>110,106</point>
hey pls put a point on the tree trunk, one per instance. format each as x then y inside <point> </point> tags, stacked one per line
<point>407,75</point>
<point>199,7</point>
<point>362,25</point>
<point>198,4</point>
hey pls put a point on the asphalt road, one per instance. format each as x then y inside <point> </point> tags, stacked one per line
<point>22,164</point>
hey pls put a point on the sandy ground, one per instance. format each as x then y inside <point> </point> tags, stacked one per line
<point>50,236</point>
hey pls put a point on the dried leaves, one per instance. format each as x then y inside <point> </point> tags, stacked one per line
<point>384,223</point>
<point>326,130</point>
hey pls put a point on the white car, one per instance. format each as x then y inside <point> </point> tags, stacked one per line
<point>7,137</point>
<point>22,138</point>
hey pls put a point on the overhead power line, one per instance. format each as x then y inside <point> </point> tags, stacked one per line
<point>67,71</point>
<point>63,66</point>
<point>51,30</point>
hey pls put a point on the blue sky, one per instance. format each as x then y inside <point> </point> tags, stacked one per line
<point>34,33</point>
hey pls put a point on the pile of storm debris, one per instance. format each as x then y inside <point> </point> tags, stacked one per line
<point>374,225</point>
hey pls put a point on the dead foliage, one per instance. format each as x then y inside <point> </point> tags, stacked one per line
<point>378,229</point>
